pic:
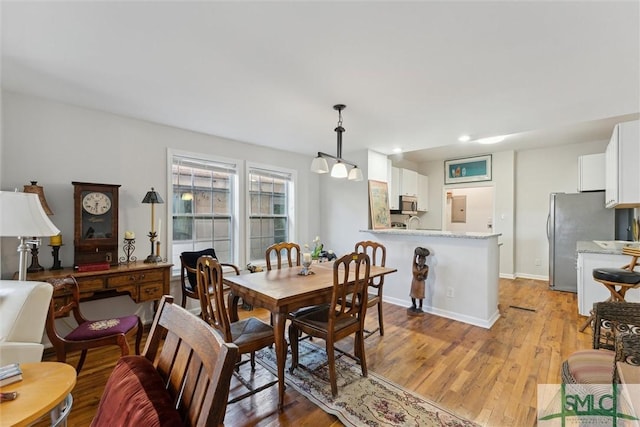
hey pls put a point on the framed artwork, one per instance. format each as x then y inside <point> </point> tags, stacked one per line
<point>379,205</point>
<point>470,169</point>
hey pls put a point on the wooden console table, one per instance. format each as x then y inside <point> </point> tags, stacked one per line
<point>142,282</point>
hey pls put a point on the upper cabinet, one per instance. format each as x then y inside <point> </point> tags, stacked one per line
<point>423,193</point>
<point>591,172</point>
<point>405,182</point>
<point>408,182</point>
<point>622,175</point>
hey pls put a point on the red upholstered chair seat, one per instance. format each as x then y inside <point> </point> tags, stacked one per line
<point>102,328</point>
<point>135,395</point>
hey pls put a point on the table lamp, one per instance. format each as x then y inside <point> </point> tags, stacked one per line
<point>153,197</point>
<point>37,189</point>
<point>21,214</point>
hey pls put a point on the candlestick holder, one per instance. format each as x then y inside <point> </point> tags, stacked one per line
<point>153,257</point>
<point>35,266</point>
<point>306,263</point>
<point>55,251</point>
<point>129,248</point>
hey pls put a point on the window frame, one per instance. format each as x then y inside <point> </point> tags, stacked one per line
<point>234,199</point>
<point>291,204</point>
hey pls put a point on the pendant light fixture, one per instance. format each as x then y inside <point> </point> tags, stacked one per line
<point>339,169</point>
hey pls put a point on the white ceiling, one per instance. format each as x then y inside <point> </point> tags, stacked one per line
<point>414,75</point>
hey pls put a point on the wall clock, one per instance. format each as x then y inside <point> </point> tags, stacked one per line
<point>95,236</point>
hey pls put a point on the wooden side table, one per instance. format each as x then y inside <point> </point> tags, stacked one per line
<point>44,387</point>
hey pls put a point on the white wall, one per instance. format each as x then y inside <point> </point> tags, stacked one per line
<point>503,184</point>
<point>479,209</point>
<point>538,173</point>
<point>56,144</point>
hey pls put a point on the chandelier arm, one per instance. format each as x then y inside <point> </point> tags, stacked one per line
<point>320,153</point>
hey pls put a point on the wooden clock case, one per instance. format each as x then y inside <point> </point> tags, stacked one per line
<point>95,236</point>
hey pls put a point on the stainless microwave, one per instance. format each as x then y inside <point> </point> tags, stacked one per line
<point>408,205</point>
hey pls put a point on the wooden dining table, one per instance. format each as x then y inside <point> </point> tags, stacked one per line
<point>281,292</point>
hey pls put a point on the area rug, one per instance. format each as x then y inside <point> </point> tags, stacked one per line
<point>372,401</point>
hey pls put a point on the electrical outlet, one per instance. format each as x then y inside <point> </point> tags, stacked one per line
<point>538,262</point>
<point>450,293</point>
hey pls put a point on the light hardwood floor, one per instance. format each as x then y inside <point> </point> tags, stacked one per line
<point>489,376</point>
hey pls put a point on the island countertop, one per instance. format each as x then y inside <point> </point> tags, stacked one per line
<point>434,233</point>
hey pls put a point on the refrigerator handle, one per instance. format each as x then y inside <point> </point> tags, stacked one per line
<point>548,229</point>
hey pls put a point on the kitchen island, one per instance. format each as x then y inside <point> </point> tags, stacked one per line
<point>463,272</point>
<point>599,254</point>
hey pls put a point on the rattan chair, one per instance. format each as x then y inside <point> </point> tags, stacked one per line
<point>612,320</point>
<point>338,320</point>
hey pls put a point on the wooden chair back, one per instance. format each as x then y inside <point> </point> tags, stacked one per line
<point>211,289</point>
<point>378,256</point>
<point>289,249</point>
<point>195,363</point>
<point>634,253</point>
<point>68,289</point>
<point>350,276</point>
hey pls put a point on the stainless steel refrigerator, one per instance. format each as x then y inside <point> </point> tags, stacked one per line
<point>574,217</point>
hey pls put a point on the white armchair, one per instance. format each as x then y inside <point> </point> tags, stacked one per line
<point>23,309</point>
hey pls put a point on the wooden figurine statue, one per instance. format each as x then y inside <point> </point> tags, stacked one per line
<point>420,272</point>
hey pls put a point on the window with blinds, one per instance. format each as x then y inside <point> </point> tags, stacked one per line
<point>270,209</point>
<point>203,198</point>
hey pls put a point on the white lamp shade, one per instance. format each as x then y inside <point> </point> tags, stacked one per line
<point>21,214</point>
<point>319,165</point>
<point>355,174</point>
<point>339,170</point>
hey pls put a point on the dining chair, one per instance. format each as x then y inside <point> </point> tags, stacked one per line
<point>249,334</point>
<point>378,255</point>
<point>286,254</point>
<point>338,320</point>
<point>188,282</point>
<point>182,377</point>
<point>89,333</point>
<point>288,249</point>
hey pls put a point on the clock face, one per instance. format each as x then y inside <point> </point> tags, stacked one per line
<point>96,203</point>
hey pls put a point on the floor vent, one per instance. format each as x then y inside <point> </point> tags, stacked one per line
<point>523,308</point>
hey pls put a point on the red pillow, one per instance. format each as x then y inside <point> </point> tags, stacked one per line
<point>135,395</point>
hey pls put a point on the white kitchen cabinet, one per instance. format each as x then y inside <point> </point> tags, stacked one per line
<point>591,172</point>
<point>423,193</point>
<point>590,291</point>
<point>394,189</point>
<point>622,175</point>
<point>409,182</point>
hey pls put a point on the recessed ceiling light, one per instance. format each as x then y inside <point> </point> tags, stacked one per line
<point>490,139</point>
<point>397,150</point>
<point>464,138</point>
